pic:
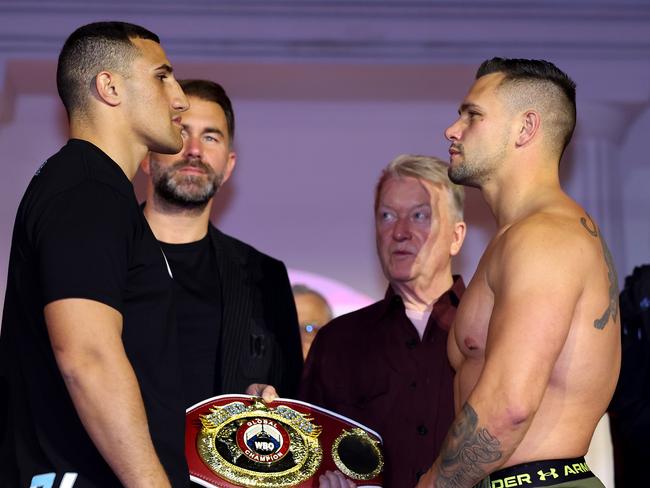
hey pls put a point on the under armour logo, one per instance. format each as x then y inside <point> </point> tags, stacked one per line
<point>542,475</point>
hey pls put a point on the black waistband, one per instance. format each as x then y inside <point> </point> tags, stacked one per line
<point>540,473</point>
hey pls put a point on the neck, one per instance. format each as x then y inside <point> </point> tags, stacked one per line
<point>119,146</point>
<point>515,194</point>
<point>173,224</point>
<point>418,296</point>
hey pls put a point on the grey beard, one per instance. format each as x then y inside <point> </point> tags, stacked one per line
<point>186,194</point>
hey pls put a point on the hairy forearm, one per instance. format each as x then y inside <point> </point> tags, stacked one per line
<point>472,450</point>
<point>107,398</point>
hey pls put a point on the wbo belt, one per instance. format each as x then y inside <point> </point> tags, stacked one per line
<point>238,440</point>
<point>539,473</point>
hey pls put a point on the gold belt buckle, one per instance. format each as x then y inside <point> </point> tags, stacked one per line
<point>238,440</point>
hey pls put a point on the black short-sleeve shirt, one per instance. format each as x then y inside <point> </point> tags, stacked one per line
<point>80,233</point>
<point>199,314</point>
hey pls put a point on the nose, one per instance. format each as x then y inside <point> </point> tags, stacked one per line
<point>192,147</point>
<point>452,133</point>
<point>401,230</point>
<point>180,103</point>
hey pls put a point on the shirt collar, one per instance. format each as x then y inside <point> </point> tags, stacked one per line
<point>103,167</point>
<point>452,295</point>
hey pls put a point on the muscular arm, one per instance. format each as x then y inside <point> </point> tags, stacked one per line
<point>536,279</point>
<point>87,344</point>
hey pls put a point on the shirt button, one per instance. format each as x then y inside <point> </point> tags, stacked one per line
<point>422,430</point>
<point>413,385</point>
<point>411,343</point>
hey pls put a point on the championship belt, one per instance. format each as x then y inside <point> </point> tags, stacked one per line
<point>237,440</point>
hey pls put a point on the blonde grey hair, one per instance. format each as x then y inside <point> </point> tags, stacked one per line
<point>428,168</point>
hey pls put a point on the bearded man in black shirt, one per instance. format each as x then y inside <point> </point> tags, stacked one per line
<point>237,320</point>
<point>88,347</point>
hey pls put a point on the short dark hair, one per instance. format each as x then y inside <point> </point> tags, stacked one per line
<point>551,87</point>
<point>93,48</point>
<point>211,91</point>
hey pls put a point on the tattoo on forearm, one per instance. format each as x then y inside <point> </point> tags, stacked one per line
<point>466,451</point>
<point>612,309</point>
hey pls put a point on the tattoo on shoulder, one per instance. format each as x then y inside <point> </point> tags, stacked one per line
<point>466,451</point>
<point>612,309</point>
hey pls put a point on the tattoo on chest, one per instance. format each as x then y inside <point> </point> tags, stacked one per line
<point>612,309</point>
<point>466,451</point>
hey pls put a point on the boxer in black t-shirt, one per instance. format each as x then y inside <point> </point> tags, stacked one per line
<point>88,346</point>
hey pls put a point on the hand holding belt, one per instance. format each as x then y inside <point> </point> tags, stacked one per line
<point>237,440</point>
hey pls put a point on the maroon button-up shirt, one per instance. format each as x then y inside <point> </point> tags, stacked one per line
<point>371,366</point>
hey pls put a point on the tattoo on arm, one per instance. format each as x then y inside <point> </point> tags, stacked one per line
<point>466,450</point>
<point>612,308</point>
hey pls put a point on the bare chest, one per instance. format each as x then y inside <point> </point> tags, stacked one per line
<point>473,317</point>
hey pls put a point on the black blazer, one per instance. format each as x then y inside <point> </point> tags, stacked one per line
<point>260,339</point>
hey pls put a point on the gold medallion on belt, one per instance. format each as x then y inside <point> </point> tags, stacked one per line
<point>260,446</point>
<point>283,444</point>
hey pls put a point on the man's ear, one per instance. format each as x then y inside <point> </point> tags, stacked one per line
<point>459,232</point>
<point>107,88</point>
<point>230,166</point>
<point>530,123</point>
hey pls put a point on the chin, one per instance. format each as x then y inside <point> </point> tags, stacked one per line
<point>177,146</point>
<point>400,276</point>
<point>171,146</point>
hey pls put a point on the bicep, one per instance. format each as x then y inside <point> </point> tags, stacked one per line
<point>82,330</point>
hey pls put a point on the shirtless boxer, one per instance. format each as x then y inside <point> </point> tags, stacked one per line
<point>535,344</point>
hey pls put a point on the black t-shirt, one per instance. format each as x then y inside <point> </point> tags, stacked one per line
<point>79,233</point>
<point>198,313</point>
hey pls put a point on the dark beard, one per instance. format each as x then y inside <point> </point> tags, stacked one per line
<point>464,174</point>
<point>460,176</point>
<point>184,191</point>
